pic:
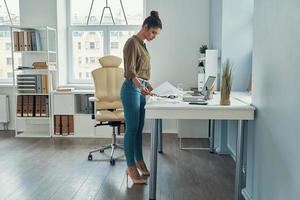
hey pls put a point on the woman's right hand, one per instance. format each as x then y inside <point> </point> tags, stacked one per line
<point>145,91</point>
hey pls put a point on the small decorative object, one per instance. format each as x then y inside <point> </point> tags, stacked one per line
<point>226,83</point>
<point>203,49</point>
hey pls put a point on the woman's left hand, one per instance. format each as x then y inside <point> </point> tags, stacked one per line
<point>149,87</point>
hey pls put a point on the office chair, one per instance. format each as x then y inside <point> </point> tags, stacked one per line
<point>108,110</point>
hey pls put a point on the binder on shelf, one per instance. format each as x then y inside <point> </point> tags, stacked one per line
<point>47,106</point>
<point>57,124</point>
<point>43,106</point>
<point>33,41</point>
<point>29,43</point>
<point>25,106</point>
<point>44,84</point>
<point>21,41</point>
<point>71,124</point>
<point>38,84</point>
<point>37,107</point>
<point>30,106</point>
<point>64,125</point>
<point>25,41</point>
<point>16,41</point>
<point>90,104</point>
<point>38,41</point>
<point>19,106</point>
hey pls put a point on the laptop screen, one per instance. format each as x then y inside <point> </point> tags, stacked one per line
<point>209,83</point>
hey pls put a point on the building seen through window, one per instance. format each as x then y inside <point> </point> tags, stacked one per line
<point>5,40</point>
<point>92,41</point>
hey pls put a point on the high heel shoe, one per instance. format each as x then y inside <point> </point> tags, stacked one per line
<point>141,166</point>
<point>134,175</point>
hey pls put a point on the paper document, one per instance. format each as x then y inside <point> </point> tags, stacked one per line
<point>167,89</point>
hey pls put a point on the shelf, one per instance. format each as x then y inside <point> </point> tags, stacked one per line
<point>36,52</point>
<point>35,71</point>
<point>64,136</point>
<point>36,94</point>
<point>29,83</point>
<point>41,28</point>
<point>33,134</point>
<point>35,118</point>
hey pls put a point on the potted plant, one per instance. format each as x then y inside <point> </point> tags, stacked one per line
<point>226,83</point>
<point>202,50</point>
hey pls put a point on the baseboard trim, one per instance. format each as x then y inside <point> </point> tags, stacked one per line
<point>231,152</point>
<point>164,131</point>
<point>246,194</point>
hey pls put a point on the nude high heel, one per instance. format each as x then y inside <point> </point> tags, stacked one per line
<point>141,166</point>
<point>134,175</point>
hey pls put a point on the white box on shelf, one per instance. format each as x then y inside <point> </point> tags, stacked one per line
<point>211,63</point>
<point>64,104</point>
<point>84,126</point>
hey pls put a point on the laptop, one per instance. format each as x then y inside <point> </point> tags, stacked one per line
<point>199,96</point>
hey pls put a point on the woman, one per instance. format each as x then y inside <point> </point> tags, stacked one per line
<point>134,89</point>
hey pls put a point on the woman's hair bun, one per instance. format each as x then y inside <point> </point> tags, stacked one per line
<point>154,13</point>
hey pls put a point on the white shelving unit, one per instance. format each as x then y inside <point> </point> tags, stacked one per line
<point>70,103</point>
<point>33,124</point>
<point>210,67</point>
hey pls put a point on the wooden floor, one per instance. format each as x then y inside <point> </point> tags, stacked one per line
<point>58,169</point>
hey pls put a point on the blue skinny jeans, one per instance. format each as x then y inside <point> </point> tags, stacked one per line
<point>133,103</point>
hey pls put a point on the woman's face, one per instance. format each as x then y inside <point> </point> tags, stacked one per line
<point>151,33</point>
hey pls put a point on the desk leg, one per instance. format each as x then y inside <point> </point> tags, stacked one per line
<point>160,137</point>
<point>211,136</point>
<point>153,159</point>
<point>239,161</point>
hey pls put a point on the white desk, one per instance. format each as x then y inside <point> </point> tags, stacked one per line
<point>158,110</point>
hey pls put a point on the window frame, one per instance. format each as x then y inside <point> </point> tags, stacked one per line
<point>106,38</point>
<point>8,81</point>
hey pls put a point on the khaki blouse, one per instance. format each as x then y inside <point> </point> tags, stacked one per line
<point>136,59</point>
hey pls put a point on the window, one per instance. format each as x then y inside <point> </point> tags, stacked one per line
<point>8,61</point>
<point>114,45</point>
<point>79,60</point>
<point>92,45</point>
<point>7,46</point>
<point>13,7</point>
<point>92,60</point>
<point>5,40</point>
<point>98,40</point>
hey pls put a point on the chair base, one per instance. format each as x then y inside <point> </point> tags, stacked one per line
<point>113,146</point>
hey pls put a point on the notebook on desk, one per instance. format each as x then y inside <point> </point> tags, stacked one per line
<point>199,97</point>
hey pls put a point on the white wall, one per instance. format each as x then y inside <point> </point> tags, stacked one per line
<point>38,13</point>
<point>174,53</point>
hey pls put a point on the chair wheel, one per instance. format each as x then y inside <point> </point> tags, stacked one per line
<point>112,161</point>
<point>90,157</point>
<point>101,151</point>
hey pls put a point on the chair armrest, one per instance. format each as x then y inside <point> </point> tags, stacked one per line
<point>93,99</point>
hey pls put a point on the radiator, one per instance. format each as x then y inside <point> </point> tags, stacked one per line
<point>4,110</point>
